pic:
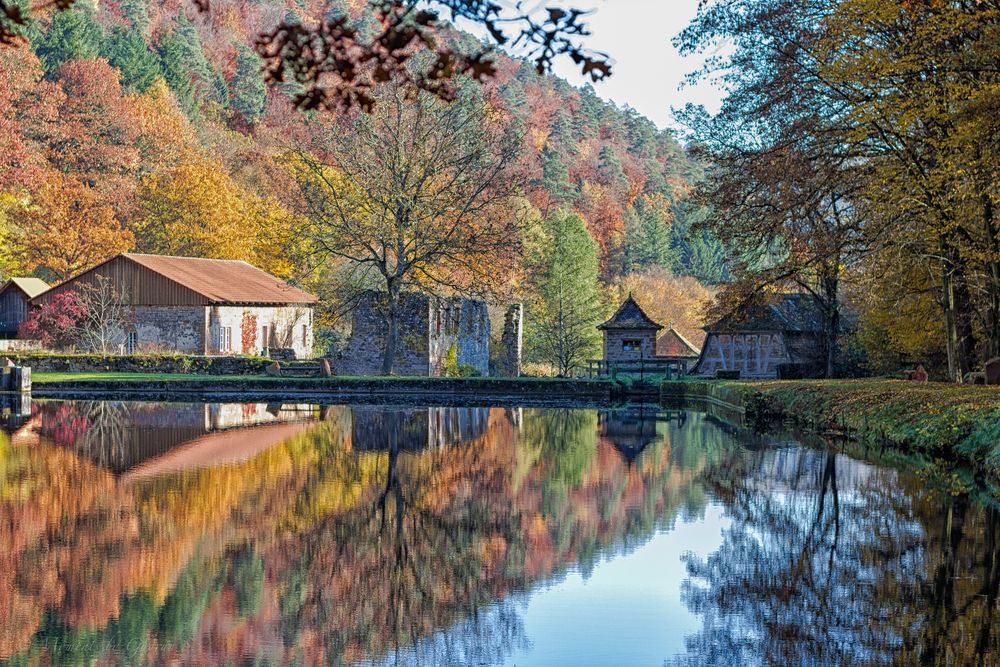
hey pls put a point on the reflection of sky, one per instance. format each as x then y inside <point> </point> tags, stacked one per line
<point>628,612</point>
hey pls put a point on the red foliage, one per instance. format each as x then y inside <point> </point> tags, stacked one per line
<point>248,331</point>
<point>54,322</point>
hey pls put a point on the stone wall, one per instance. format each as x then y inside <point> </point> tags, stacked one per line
<point>507,355</point>
<point>140,363</point>
<point>19,345</point>
<point>170,329</point>
<point>615,338</point>
<point>428,329</point>
<point>369,325</point>
<point>466,327</point>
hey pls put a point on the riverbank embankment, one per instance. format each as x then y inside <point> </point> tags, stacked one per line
<point>952,422</point>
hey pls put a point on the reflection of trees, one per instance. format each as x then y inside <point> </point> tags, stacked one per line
<point>831,562</point>
<point>98,430</point>
<point>324,553</point>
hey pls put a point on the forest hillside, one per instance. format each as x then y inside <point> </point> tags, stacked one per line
<point>147,127</point>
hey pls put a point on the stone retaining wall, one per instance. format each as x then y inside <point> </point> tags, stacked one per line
<point>140,363</point>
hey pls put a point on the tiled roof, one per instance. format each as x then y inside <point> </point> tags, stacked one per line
<point>32,287</point>
<point>630,316</point>
<point>223,280</point>
<point>672,344</point>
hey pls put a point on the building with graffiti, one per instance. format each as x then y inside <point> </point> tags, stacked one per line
<point>782,338</point>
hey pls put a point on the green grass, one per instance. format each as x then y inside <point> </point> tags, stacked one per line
<point>953,421</point>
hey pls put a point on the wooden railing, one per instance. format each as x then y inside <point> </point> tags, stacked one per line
<point>668,367</point>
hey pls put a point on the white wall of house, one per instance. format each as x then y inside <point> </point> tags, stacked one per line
<point>270,326</point>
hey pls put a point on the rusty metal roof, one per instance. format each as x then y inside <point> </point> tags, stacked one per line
<point>223,280</point>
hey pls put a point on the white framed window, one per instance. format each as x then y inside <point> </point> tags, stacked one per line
<point>225,339</point>
<point>305,335</point>
<point>130,342</point>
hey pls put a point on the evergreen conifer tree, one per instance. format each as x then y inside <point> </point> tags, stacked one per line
<point>646,241</point>
<point>173,64</point>
<point>555,179</point>
<point>137,14</point>
<point>72,35</point>
<point>249,93</point>
<point>127,50</point>
<point>568,306</point>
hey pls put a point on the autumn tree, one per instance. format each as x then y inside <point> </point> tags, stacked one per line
<point>567,304</point>
<point>880,110</point>
<point>196,210</point>
<point>55,322</point>
<point>67,228</point>
<point>417,195</point>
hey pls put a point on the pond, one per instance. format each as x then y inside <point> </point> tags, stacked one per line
<point>254,534</point>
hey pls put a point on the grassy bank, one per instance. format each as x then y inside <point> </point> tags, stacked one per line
<point>935,419</point>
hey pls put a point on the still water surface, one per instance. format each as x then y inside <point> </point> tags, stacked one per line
<point>252,534</point>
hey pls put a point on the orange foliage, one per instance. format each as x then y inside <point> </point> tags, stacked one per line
<point>670,299</point>
<point>67,227</point>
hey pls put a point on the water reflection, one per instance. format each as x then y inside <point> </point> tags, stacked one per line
<point>136,533</point>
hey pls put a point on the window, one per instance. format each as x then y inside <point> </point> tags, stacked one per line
<point>225,339</point>
<point>130,343</point>
<point>631,345</point>
<point>305,335</point>
<point>265,336</point>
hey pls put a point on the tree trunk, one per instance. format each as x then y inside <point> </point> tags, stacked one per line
<point>392,320</point>
<point>831,323</point>
<point>992,343</point>
<point>955,302</point>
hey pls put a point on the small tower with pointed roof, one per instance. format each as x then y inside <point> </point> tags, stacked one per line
<point>630,334</point>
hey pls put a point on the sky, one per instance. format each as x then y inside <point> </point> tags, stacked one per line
<point>648,70</point>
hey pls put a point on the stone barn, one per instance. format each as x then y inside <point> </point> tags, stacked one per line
<point>429,328</point>
<point>202,306</point>
<point>782,338</point>
<point>14,297</point>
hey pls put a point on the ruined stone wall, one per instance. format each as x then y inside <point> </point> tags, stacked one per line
<point>369,325</point>
<point>463,324</point>
<point>507,355</point>
<point>614,342</point>
<point>429,328</point>
<point>170,329</point>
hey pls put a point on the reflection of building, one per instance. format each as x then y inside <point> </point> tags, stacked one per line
<point>15,410</point>
<point>630,430</point>
<point>124,436</point>
<point>412,429</point>
<point>202,306</point>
